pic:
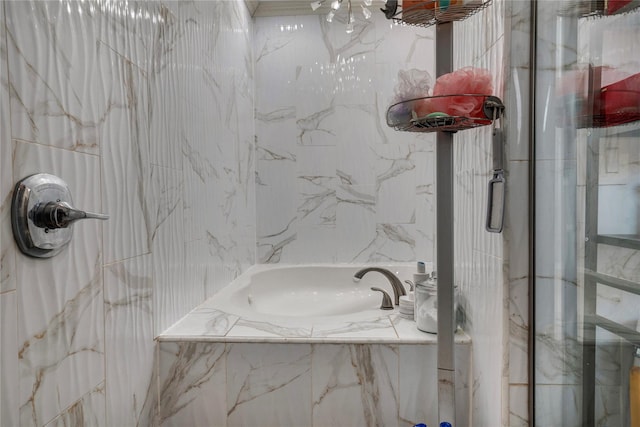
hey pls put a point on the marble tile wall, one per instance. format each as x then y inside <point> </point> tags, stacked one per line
<point>491,270</point>
<point>145,109</point>
<point>304,384</point>
<point>334,183</point>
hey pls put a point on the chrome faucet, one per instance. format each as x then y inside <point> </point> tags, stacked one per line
<point>396,284</point>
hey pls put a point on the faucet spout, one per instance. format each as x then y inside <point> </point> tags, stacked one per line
<point>396,284</point>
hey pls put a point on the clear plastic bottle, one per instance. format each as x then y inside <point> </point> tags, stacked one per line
<point>426,309</point>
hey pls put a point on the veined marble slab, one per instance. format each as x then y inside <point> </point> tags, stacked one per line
<point>214,325</point>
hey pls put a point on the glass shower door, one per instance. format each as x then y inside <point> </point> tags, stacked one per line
<point>587,217</point>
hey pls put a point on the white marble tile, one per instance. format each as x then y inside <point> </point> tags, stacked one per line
<point>165,122</point>
<point>192,381</point>
<point>355,127</point>
<point>316,188</point>
<point>554,242</point>
<point>463,229</point>
<point>60,300</point>
<point>518,331</point>
<point>390,243</point>
<point>558,361</point>
<point>7,246</point>
<point>619,262</point>
<point>9,402</point>
<point>343,116</point>
<point>407,329</point>
<point>315,243</point>
<point>418,395</point>
<point>129,345</point>
<point>224,255</point>
<point>277,52</point>
<point>261,378</point>
<point>396,184</point>
<point>355,385</point>
<point>518,406</point>
<point>212,263</point>
<point>355,221</point>
<point>202,321</point>
<point>611,406</point>
<point>412,46</point>
<point>52,61</point>
<point>611,366</point>
<point>275,247</point>
<point>618,306</point>
<point>253,329</point>
<point>125,155</point>
<point>88,411</point>
<point>172,296</point>
<point>275,220</point>
<point>557,405</point>
<point>276,133</point>
<point>371,329</point>
<point>485,304</point>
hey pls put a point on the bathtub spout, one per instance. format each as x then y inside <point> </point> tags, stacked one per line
<point>396,284</point>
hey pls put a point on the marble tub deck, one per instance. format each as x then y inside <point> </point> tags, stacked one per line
<point>208,323</point>
<point>217,368</point>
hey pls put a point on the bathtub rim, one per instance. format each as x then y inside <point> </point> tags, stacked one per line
<point>212,323</point>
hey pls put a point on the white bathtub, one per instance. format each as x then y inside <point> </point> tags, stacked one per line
<point>314,303</point>
<point>296,330</point>
<point>308,291</point>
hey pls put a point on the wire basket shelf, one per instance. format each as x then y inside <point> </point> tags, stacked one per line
<point>414,115</point>
<point>428,13</point>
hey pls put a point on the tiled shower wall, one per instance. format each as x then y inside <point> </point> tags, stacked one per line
<point>491,270</point>
<point>146,110</point>
<point>334,182</point>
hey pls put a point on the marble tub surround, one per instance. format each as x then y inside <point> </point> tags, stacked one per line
<point>207,323</point>
<point>313,303</point>
<point>304,384</point>
<point>371,367</point>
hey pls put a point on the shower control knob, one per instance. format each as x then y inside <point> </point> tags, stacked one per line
<point>42,215</point>
<point>59,215</point>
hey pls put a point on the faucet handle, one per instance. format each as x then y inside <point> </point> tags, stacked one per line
<point>411,285</point>
<point>54,215</point>
<point>387,304</point>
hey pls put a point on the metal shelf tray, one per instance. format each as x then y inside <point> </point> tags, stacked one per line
<point>428,13</point>
<point>409,115</point>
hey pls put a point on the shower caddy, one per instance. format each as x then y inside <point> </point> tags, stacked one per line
<point>442,14</point>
